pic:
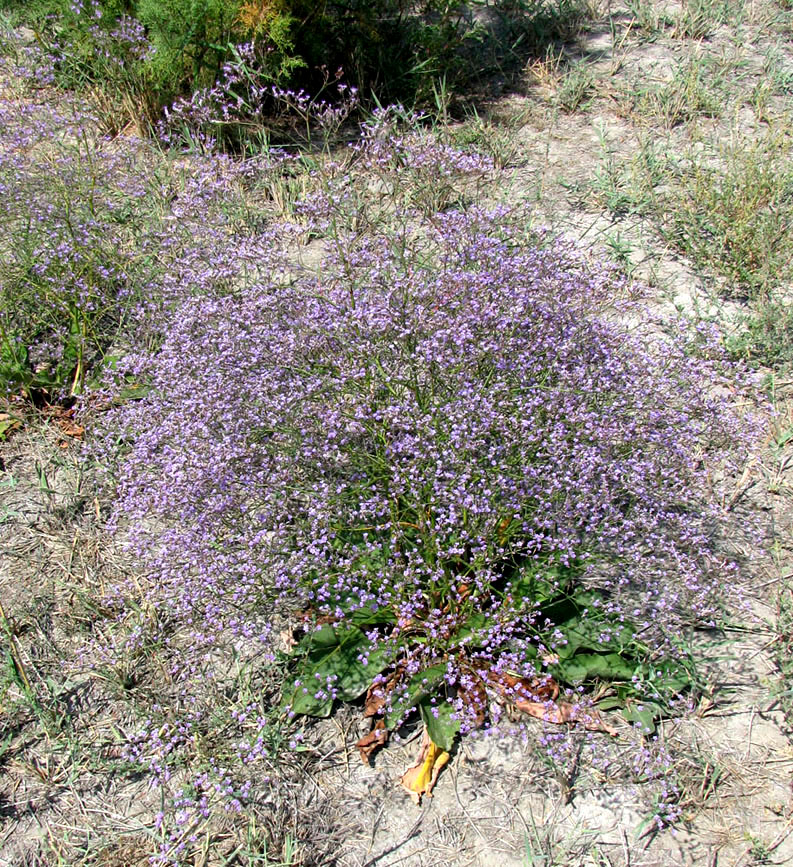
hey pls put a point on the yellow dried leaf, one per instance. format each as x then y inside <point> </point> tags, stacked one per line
<point>420,779</point>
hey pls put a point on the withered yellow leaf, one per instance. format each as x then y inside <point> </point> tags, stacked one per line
<point>420,779</point>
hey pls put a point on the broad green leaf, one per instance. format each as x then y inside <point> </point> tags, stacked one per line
<point>584,632</point>
<point>530,589</point>
<point>370,617</point>
<point>537,584</point>
<point>133,391</point>
<point>669,678</point>
<point>441,728</point>
<point>784,437</point>
<point>302,700</point>
<point>643,712</point>
<point>355,677</point>
<point>472,626</point>
<point>612,702</point>
<point>585,666</point>
<point>420,686</point>
<point>332,657</point>
<point>562,609</point>
<point>6,425</point>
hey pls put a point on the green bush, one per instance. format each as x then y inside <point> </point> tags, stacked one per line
<point>190,40</point>
<point>394,50</point>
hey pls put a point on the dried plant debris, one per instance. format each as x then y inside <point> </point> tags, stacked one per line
<point>420,779</point>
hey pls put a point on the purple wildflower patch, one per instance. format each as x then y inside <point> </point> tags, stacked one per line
<point>445,453</point>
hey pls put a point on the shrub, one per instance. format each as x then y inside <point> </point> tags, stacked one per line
<point>73,205</point>
<point>140,55</point>
<point>446,455</point>
<point>192,39</point>
<point>134,58</point>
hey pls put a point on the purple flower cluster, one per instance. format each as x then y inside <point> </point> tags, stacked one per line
<point>441,401</point>
<point>444,399</point>
<point>244,102</point>
<point>72,207</point>
<point>118,39</point>
<point>106,59</point>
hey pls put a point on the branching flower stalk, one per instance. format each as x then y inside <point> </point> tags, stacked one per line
<point>445,456</point>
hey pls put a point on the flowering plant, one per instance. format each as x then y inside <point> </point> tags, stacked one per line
<point>448,459</point>
<point>73,207</point>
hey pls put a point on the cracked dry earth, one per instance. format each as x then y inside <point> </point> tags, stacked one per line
<point>497,802</point>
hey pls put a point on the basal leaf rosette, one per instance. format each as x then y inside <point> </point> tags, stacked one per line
<point>454,460</point>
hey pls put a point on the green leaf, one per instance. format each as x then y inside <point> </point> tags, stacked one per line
<point>585,666</point>
<point>538,584</point>
<point>473,626</point>
<point>612,702</point>
<point>419,687</point>
<point>370,617</point>
<point>668,678</point>
<point>784,437</point>
<point>332,661</point>
<point>6,425</point>
<point>563,609</point>
<point>303,701</point>
<point>643,712</point>
<point>441,728</point>
<point>530,589</point>
<point>586,632</point>
<point>133,391</point>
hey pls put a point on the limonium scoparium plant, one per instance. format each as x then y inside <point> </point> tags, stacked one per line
<point>448,457</point>
<point>74,208</point>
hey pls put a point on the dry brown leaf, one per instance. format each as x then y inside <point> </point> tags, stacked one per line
<point>522,689</point>
<point>474,698</point>
<point>288,639</point>
<point>540,710</point>
<point>70,428</point>
<point>65,419</point>
<point>375,699</point>
<point>538,699</point>
<point>591,720</point>
<point>421,778</point>
<point>376,738</point>
<point>463,591</point>
<point>564,712</point>
<point>309,615</point>
<point>377,693</point>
